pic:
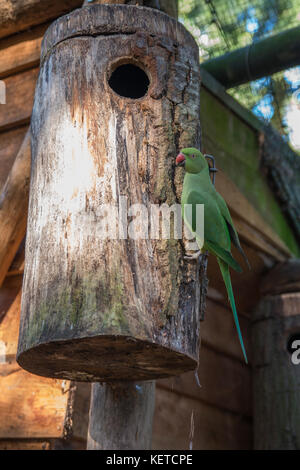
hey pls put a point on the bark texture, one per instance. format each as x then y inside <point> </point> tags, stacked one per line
<point>170,7</point>
<point>121,416</point>
<point>276,374</point>
<point>98,309</point>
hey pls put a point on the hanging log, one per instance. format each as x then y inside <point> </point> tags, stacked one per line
<point>117,97</point>
<point>276,358</point>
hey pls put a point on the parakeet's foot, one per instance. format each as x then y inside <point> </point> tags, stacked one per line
<point>194,256</point>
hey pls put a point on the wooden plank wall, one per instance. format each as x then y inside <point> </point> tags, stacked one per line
<point>36,412</point>
<point>222,406</point>
<point>219,412</point>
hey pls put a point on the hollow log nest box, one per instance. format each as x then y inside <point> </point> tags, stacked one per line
<point>117,96</point>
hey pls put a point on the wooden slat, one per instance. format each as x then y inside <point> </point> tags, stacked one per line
<point>21,51</point>
<point>14,444</point>
<point>14,207</point>
<point>219,333</point>
<point>249,223</point>
<point>8,293</point>
<point>19,99</point>
<point>22,14</point>
<point>246,285</point>
<point>17,265</point>
<point>225,383</point>
<point>30,406</point>
<point>213,429</point>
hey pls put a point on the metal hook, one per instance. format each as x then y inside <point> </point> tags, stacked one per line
<point>212,169</point>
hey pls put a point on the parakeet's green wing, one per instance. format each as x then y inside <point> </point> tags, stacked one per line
<point>216,235</point>
<point>232,231</point>
<point>197,189</point>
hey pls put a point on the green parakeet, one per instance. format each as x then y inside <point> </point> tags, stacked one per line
<point>219,230</point>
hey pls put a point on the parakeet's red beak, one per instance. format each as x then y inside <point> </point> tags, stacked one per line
<point>180,159</point>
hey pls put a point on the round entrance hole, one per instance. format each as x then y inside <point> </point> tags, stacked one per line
<point>130,81</point>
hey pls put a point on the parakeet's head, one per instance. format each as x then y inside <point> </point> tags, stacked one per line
<point>192,160</point>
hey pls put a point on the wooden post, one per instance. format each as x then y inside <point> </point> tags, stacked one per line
<point>276,368</point>
<point>121,416</point>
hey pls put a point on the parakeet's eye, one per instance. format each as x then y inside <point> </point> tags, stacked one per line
<point>193,156</point>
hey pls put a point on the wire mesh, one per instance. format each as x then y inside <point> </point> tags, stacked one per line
<point>220,26</point>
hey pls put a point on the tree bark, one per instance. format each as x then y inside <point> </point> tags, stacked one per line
<point>170,7</point>
<point>261,58</point>
<point>97,309</point>
<point>121,416</point>
<point>276,371</point>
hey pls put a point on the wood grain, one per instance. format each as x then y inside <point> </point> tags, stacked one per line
<point>23,14</point>
<point>30,406</point>
<point>14,206</point>
<point>213,429</point>
<point>224,340</point>
<point>225,383</point>
<point>19,99</point>
<point>276,377</point>
<point>285,277</point>
<point>28,444</point>
<point>10,143</point>
<point>121,416</point>
<point>21,51</point>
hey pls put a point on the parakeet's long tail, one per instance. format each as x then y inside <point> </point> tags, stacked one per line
<point>226,277</point>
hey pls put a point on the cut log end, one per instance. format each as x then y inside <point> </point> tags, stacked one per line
<point>105,359</point>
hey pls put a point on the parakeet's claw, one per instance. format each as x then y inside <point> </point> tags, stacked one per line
<point>212,169</point>
<point>194,256</point>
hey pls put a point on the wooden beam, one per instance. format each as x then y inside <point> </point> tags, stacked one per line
<point>14,207</point>
<point>285,277</point>
<point>10,143</point>
<point>33,407</point>
<point>30,406</point>
<point>23,444</point>
<point>259,59</point>
<point>21,51</point>
<point>23,14</point>
<point>19,99</point>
